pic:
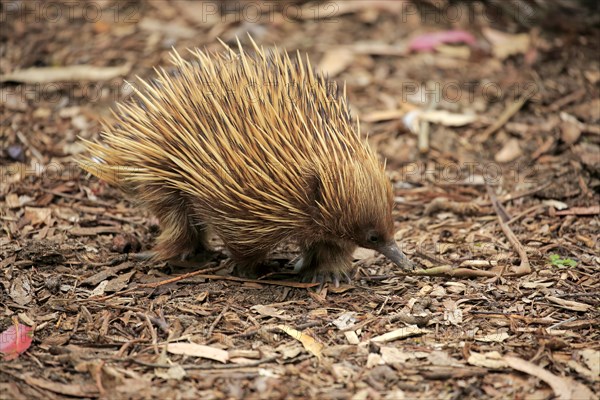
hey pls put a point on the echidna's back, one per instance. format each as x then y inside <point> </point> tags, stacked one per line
<point>239,134</point>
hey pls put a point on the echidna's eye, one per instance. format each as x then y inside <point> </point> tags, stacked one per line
<point>373,238</point>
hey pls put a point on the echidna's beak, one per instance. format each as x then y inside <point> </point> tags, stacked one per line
<point>393,252</point>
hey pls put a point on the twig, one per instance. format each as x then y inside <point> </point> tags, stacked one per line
<point>530,210</point>
<point>511,110</point>
<point>450,271</point>
<point>570,98</point>
<point>518,195</point>
<point>179,278</point>
<point>98,377</point>
<point>212,326</point>
<point>566,321</point>
<point>111,262</point>
<point>201,274</point>
<point>83,199</point>
<point>205,367</point>
<point>158,321</point>
<point>300,327</point>
<point>525,267</point>
<point>592,210</point>
<point>34,151</point>
<point>424,127</point>
<point>152,332</point>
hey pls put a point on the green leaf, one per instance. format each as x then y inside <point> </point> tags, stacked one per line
<point>557,261</point>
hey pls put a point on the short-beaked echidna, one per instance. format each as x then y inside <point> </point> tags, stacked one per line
<point>258,149</point>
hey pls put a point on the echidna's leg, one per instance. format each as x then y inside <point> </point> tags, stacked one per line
<point>248,263</point>
<point>248,268</point>
<point>180,236</point>
<point>326,261</point>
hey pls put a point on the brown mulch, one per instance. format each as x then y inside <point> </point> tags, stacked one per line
<point>497,200</point>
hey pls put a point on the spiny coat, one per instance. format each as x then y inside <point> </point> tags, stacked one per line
<point>259,149</point>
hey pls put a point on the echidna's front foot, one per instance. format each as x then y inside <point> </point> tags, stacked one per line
<point>326,262</point>
<point>334,276</point>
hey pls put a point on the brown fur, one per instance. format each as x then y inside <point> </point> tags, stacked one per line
<point>261,150</point>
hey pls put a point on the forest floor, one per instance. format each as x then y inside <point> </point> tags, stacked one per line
<point>492,143</point>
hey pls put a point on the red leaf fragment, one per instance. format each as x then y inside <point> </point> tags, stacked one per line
<point>429,41</point>
<point>15,340</point>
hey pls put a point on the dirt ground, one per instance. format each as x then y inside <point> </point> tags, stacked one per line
<point>492,144</point>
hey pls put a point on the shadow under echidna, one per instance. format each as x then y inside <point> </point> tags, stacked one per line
<point>258,149</point>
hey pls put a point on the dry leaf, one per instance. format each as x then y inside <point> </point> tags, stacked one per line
<point>581,370</point>
<point>392,355</point>
<point>345,320</point>
<point>198,350</point>
<point>352,337</point>
<point>20,290</point>
<point>570,133</point>
<point>175,371</point>
<point>70,73</point>
<point>510,152</point>
<point>334,9</point>
<point>443,359</point>
<point>446,118</point>
<point>537,284</point>
<point>459,52</point>
<point>569,304</point>
<point>493,337</point>
<point>492,360</point>
<point>269,311</point>
<point>589,154</point>
<point>559,205</point>
<point>564,388</point>
<point>99,290</point>
<point>452,313</point>
<point>374,359</point>
<point>73,390</point>
<point>362,254</point>
<point>105,274</point>
<point>591,358</point>
<point>37,215</point>
<point>309,343</point>
<point>505,44</point>
<point>413,118</point>
<point>383,115</point>
<point>411,330</point>
<point>174,30</point>
<point>335,61</point>
<point>289,350</point>
<point>119,283</point>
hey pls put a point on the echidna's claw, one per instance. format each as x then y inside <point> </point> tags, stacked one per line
<point>336,281</point>
<point>322,277</point>
<point>347,278</point>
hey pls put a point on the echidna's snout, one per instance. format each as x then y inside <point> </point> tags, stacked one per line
<point>394,254</point>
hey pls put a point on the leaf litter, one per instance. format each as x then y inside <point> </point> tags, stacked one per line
<point>488,185</point>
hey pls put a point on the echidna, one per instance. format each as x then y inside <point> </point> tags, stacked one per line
<point>258,149</point>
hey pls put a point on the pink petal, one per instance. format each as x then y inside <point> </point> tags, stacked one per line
<point>15,340</point>
<point>429,41</point>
